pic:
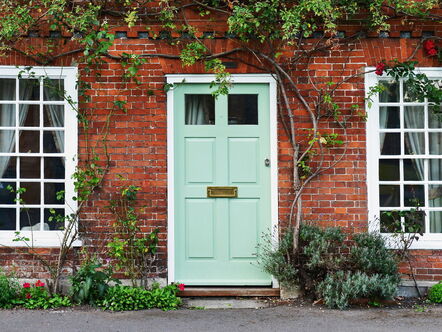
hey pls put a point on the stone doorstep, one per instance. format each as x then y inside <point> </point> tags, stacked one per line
<point>202,303</point>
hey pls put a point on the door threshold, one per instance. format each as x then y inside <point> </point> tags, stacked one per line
<point>206,291</point>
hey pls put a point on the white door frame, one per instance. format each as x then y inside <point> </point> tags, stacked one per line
<point>208,78</point>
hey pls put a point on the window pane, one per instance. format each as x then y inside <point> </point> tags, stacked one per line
<point>29,219</point>
<point>434,121</point>
<point>411,96</point>
<point>7,115</point>
<point>7,89</point>
<point>29,89</point>
<point>414,116</point>
<point>29,141</point>
<point>7,141</point>
<point>414,143</point>
<point>390,93</point>
<point>53,141</point>
<point>389,117</point>
<point>54,219</point>
<point>8,167</point>
<point>54,168</point>
<point>389,169</point>
<point>51,190</point>
<point>30,167</point>
<point>53,115</point>
<point>7,220</point>
<point>389,195</point>
<point>243,109</point>
<point>53,89</point>
<point>390,222</point>
<point>435,170</point>
<point>200,110</point>
<point>435,140</point>
<point>414,195</point>
<point>414,222</point>
<point>435,195</point>
<point>29,115</point>
<point>390,143</point>
<point>6,196</point>
<point>32,193</point>
<point>413,169</point>
<point>435,221</point>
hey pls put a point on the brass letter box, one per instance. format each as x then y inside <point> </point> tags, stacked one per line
<point>222,192</point>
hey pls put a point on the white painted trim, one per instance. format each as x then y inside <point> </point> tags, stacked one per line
<point>208,78</point>
<point>69,74</point>
<point>427,241</point>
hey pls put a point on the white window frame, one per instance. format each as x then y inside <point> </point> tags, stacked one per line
<point>428,240</point>
<point>51,238</point>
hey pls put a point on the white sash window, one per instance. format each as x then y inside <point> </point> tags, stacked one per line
<point>38,147</point>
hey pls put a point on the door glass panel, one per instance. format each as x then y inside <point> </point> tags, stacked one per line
<point>7,192</point>
<point>53,115</point>
<point>7,220</point>
<point>54,219</point>
<point>30,219</point>
<point>243,109</point>
<point>53,141</point>
<point>200,109</point>
<point>54,193</point>
<point>8,167</point>
<point>53,89</point>
<point>414,222</point>
<point>31,195</point>
<point>7,139</point>
<point>389,117</point>
<point>434,120</point>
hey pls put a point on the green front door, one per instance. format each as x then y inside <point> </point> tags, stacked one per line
<point>221,142</point>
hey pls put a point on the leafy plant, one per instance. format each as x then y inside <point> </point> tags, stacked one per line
<point>36,296</point>
<point>133,250</point>
<point>90,283</point>
<point>9,290</point>
<point>122,298</point>
<point>435,293</point>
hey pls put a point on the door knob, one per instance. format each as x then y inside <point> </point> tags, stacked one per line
<point>267,162</point>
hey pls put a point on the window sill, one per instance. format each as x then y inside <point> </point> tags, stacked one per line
<point>427,241</point>
<point>38,239</point>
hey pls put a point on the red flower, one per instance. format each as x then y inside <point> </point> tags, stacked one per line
<point>181,287</point>
<point>28,295</point>
<point>430,47</point>
<point>380,67</point>
<point>39,284</point>
<point>26,285</point>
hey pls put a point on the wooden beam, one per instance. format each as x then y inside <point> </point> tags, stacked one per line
<point>227,291</point>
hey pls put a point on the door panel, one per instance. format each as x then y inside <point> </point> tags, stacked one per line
<point>221,142</point>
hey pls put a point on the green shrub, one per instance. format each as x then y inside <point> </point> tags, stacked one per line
<point>124,298</point>
<point>9,289</point>
<point>90,283</point>
<point>327,267</point>
<point>273,259</point>
<point>339,288</point>
<point>435,293</point>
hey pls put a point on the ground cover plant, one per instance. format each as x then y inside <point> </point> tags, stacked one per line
<point>121,298</point>
<point>435,293</point>
<point>9,289</point>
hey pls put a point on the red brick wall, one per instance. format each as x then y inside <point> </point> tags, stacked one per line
<point>137,139</point>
